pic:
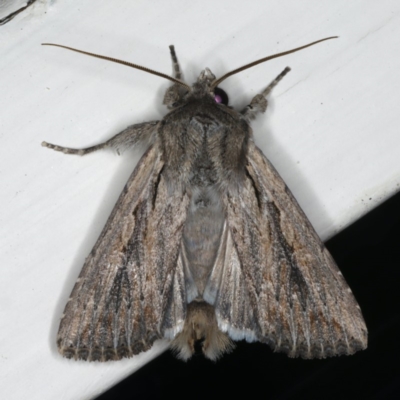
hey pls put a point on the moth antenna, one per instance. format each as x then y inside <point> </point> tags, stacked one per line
<point>150,71</point>
<point>261,60</point>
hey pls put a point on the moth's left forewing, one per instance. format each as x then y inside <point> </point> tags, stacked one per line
<point>300,303</point>
<point>131,289</point>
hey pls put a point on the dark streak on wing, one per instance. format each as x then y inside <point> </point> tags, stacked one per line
<point>295,278</point>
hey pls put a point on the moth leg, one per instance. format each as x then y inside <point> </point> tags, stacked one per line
<point>259,102</point>
<point>175,93</point>
<point>175,62</point>
<point>125,139</point>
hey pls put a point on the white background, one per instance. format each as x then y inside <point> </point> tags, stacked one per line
<point>331,130</point>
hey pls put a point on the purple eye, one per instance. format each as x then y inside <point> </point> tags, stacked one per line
<point>220,96</point>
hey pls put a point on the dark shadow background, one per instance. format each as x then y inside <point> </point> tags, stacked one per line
<point>368,254</point>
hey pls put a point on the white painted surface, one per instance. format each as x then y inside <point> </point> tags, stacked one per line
<point>331,131</point>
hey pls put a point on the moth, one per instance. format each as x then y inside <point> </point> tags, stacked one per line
<point>206,244</point>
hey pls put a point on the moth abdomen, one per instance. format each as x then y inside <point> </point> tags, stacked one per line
<point>201,325</point>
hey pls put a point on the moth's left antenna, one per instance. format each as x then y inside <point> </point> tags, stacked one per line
<point>129,64</point>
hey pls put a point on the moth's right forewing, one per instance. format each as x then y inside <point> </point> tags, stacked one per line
<point>130,291</point>
<point>299,301</point>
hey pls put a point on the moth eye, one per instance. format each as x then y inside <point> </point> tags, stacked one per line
<point>220,96</point>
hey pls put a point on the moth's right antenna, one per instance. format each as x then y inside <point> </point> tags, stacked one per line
<point>129,64</point>
<point>261,60</point>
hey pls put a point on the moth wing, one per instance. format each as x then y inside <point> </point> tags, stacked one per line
<point>274,280</point>
<point>131,289</point>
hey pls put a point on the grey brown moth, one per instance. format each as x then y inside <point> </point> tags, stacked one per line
<point>206,243</point>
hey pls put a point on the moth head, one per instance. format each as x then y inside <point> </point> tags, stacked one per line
<point>204,86</point>
<point>177,95</point>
